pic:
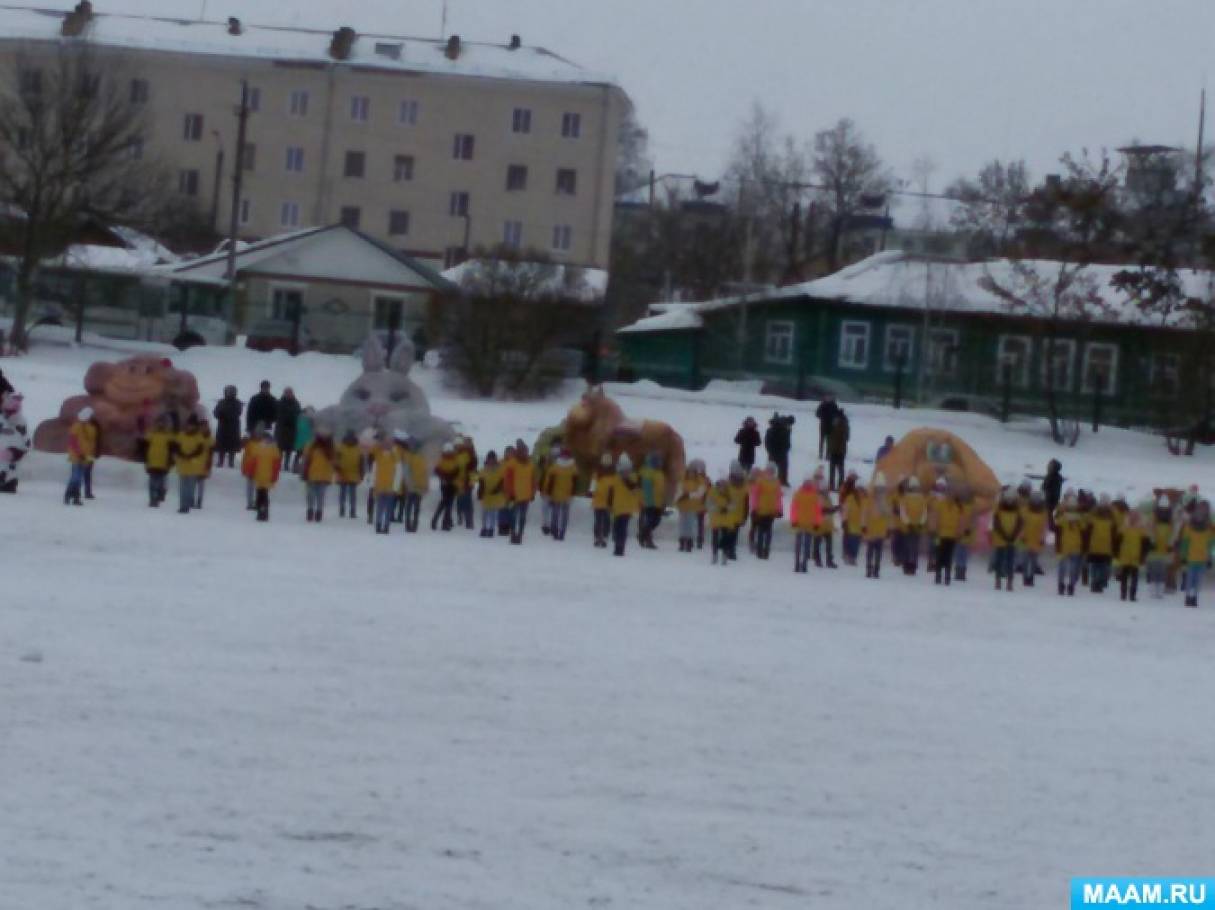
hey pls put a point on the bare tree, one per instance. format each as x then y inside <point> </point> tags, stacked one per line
<point>1079,213</point>
<point>851,177</point>
<point>633,161</point>
<point>69,146</point>
<point>993,208</point>
<point>515,309</point>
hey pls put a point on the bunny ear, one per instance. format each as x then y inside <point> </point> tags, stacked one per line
<point>373,354</point>
<point>402,356</point>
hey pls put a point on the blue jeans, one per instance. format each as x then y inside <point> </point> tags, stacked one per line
<point>187,491</point>
<point>961,557</point>
<point>1029,565</point>
<point>801,549</point>
<point>1069,570</point>
<point>560,519</point>
<point>518,519</point>
<point>852,547</point>
<point>384,504</point>
<point>250,493</point>
<point>1006,561</point>
<point>316,497</point>
<point>1194,573</point>
<point>687,525</point>
<point>75,480</point>
<point>489,521</point>
<point>156,487</point>
<point>873,556</point>
<point>347,498</point>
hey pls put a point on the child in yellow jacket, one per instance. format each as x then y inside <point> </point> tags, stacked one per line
<point>349,457</point>
<point>806,516</point>
<point>385,464</point>
<point>690,503</point>
<point>1133,546</point>
<point>1034,524</point>
<point>624,501</point>
<point>604,475</point>
<point>852,507</point>
<point>559,483</point>
<point>491,493</point>
<point>261,465</point>
<point>719,505</point>
<point>876,520</point>
<point>191,457</point>
<point>157,447</point>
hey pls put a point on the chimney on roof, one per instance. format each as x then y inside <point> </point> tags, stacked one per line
<point>75,22</point>
<point>234,26</point>
<point>453,47</point>
<point>342,43</point>
<point>515,42</point>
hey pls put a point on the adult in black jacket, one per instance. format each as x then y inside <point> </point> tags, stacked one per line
<point>227,415</point>
<point>827,411</point>
<point>263,409</point>
<point>778,440</point>
<point>286,425</point>
<point>747,439</point>
<point>5,385</point>
<point>1052,489</point>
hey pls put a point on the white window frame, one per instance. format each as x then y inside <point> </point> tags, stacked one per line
<point>512,234</point>
<point>391,300</point>
<point>571,125</point>
<point>1060,344</point>
<point>360,108</point>
<point>847,355</point>
<point>408,222</point>
<point>512,169</point>
<point>934,353</point>
<point>1021,374</point>
<point>350,157</point>
<point>286,288</point>
<point>407,112</point>
<point>521,121</point>
<point>193,126</point>
<point>464,147</point>
<point>779,336</point>
<point>563,237</point>
<point>1111,380</point>
<point>295,159</point>
<point>1167,365</point>
<point>570,186</point>
<point>189,182</point>
<point>297,103</point>
<point>289,214</point>
<point>888,361</point>
<point>458,203</point>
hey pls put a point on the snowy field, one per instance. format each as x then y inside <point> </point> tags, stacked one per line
<point>203,712</point>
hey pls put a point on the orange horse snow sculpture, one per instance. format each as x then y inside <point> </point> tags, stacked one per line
<point>928,454</point>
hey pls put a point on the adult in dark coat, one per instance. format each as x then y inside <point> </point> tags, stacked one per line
<point>263,409</point>
<point>778,440</point>
<point>5,385</point>
<point>285,426</point>
<point>747,439</point>
<point>837,449</point>
<point>827,411</point>
<point>1052,489</point>
<point>227,415</point>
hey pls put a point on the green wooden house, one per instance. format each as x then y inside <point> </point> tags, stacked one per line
<point>895,327</point>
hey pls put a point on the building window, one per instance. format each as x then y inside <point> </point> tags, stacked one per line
<point>458,205</point>
<point>255,98</point>
<point>563,237</point>
<point>286,303</point>
<point>289,215</point>
<point>356,164</point>
<point>854,345</point>
<point>351,216</point>
<point>402,168</point>
<point>246,211</point>
<point>391,50</point>
<point>139,91</point>
<point>299,103</point>
<point>512,234</point>
<point>193,128</point>
<point>187,182</point>
<point>900,348</point>
<point>778,342</point>
<point>453,256</point>
<point>1013,353</point>
<point>408,113</point>
<point>1100,369</point>
<point>567,182</point>
<point>1164,375</point>
<point>388,312</point>
<point>943,353</point>
<point>295,159</point>
<point>571,126</point>
<point>398,223</point>
<point>462,148</point>
<point>516,177</point>
<point>360,108</point>
<point>1057,359</point>
<point>522,120</point>
<point>249,159</point>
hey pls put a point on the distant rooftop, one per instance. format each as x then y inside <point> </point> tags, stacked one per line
<point>509,60</point>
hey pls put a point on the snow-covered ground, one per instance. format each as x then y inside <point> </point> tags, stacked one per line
<point>200,711</point>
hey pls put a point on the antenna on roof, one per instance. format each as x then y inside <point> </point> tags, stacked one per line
<point>202,13</point>
<point>1200,154</point>
<point>443,27</point>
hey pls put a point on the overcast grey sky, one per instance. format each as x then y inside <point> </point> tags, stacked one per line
<point>956,81</point>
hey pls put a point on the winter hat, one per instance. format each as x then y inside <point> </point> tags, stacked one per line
<point>913,483</point>
<point>941,484</point>
<point>697,465</point>
<point>624,463</point>
<point>400,436</point>
<point>1163,502</point>
<point>85,413</point>
<point>879,480</point>
<point>448,448</point>
<point>605,460</point>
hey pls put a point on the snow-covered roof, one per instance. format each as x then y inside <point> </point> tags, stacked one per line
<point>582,284</point>
<point>897,279</point>
<point>667,317</point>
<point>381,51</point>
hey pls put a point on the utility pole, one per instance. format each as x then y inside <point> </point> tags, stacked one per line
<point>1198,155</point>
<point>238,168</point>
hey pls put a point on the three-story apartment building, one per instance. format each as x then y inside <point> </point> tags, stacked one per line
<point>436,147</point>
